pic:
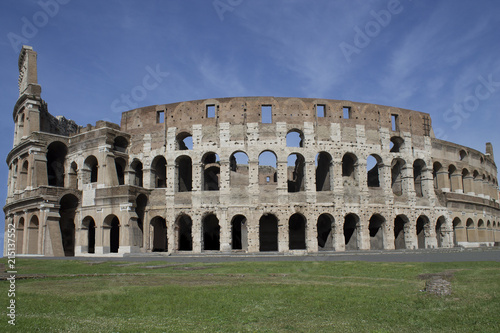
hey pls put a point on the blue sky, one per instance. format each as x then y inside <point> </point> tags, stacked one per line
<point>440,57</point>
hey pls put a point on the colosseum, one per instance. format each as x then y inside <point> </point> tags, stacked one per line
<point>242,175</point>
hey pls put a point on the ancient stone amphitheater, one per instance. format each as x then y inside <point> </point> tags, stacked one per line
<point>243,174</point>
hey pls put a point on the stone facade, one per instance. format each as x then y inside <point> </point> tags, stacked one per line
<point>246,174</point>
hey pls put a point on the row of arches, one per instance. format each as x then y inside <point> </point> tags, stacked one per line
<point>377,172</point>
<point>465,181</point>
<point>469,231</point>
<point>379,233</point>
<point>293,139</point>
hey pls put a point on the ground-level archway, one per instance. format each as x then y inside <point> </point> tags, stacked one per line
<point>67,211</point>
<point>376,228</point>
<point>268,233</point>
<point>159,231</point>
<point>351,231</point>
<point>239,233</point>
<point>325,230</point>
<point>211,233</point>
<point>297,232</point>
<point>183,230</point>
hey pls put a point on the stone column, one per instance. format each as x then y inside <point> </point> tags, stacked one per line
<point>225,231</point>
<point>456,182</point>
<point>443,180</point>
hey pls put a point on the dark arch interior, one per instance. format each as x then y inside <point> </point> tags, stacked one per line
<point>185,239</point>
<point>56,154</point>
<point>324,228</point>
<point>297,232</point>
<point>376,232</point>
<point>399,233</point>
<point>268,233</point>
<point>114,235</point>
<point>160,241</point>
<point>350,232</point>
<point>211,233</point>
<point>67,210</point>
<point>239,233</point>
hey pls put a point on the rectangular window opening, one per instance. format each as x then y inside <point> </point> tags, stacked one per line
<point>320,111</point>
<point>160,117</point>
<point>427,126</point>
<point>211,111</point>
<point>267,114</point>
<point>346,111</point>
<point>394,122</point>
<point>268,179</point>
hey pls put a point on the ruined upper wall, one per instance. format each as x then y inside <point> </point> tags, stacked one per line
<point>242,110</point>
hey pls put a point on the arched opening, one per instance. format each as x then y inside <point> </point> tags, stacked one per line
<point>238,165</point>
<point>462,155</point>
<point>436,171</point>
<point>111,229</point>
<point>489,232</point>
<point>297,232</point>
<point>184,170</point>
<point>440,230</point>
<point>349,165</point>
<point>120,144</point>
<point>295,173</point>
<point>422,226</point>
<point>183,227</point>
<point>159,172</point>
<point>88,224</point>
<point>211,172</point>
<point>470,230</point>
<point>481,232</point>
<point>397,166</point>
<point>323,172</point>
<point>56,154</point>
<point>373,166</point>
<point>418,170</point>
<point>141,203</point>
<point>68,205</point>
<point>457,226</point>
<point>159,228</point>
<point>351,223</point>
<point>397,144</point>
<point>325,227</point>
<point>495,226</point>
<point>120,170</point>
<point>33,235</point>
<point>268,167</point>
<point>20,236</point>
<point>184,141</point>
<point>451,175</point>
<point>239,233</point>
<point>90,170</point>
<point>211,233</point>
<point>376,229</point>
<point>73,176</point>
<point>399,232</point>
<point>136,167</point>
<point>23,179</point>
<point>268,233</point>
<point>114,235</point>
<point>294,138</point>
<point>467,181</point>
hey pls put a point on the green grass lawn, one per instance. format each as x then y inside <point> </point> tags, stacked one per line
<point>110,296</point>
